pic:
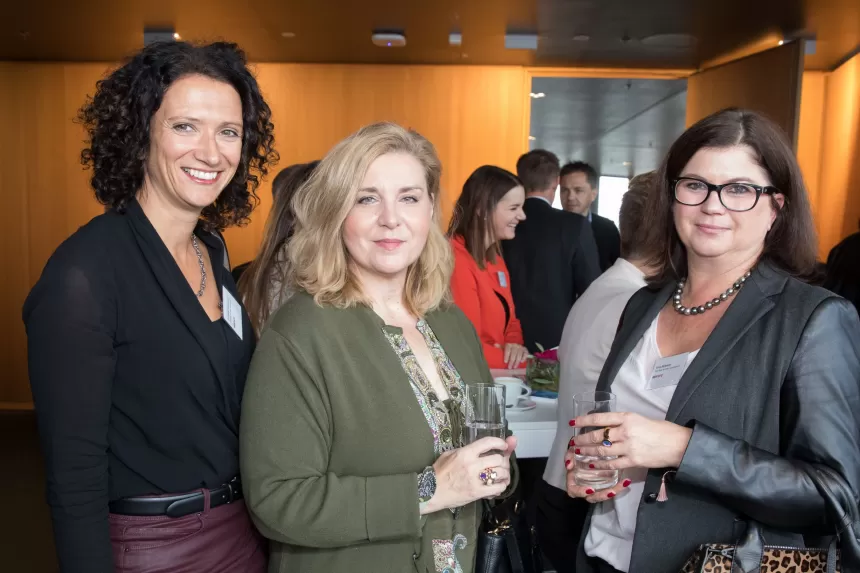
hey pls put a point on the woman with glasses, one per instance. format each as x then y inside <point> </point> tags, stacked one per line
<point>735,380</point>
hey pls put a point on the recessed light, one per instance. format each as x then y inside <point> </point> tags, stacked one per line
<point>581,38</point>
<point>537,95</point>
<point>288,35</point>
<point>781,42</point>
<point>531,138</point>
<point>670,40</point>
<point>176,36</point>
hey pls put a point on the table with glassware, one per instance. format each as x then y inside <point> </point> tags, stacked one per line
<point>534,426</point>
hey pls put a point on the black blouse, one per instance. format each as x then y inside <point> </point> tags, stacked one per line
<point>136,390</point>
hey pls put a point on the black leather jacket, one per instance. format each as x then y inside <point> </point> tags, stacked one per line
<point>773,394</point>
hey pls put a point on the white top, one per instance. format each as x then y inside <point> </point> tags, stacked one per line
<point>588,334</point>
<point>613,522</point>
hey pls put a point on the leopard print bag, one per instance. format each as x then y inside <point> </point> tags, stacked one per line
<point>717,558</point>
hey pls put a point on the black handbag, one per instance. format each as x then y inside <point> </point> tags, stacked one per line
<point>506,542</point>
<point>753,555</point>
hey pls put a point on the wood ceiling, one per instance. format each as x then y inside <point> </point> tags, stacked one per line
<point>621,33</point>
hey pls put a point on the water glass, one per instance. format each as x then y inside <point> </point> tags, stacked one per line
<point>592,403</point>
<point>485,411</point>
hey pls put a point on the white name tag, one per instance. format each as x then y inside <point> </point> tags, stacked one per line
<point>503,281</point>
<point>232,311</point>
<point>667,372</point>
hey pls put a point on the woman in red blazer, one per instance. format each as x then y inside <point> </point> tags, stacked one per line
<point>488,211</point>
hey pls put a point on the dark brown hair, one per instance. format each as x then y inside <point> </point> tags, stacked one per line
<point>473,213</point>
<point>791,242</point>
<point>117,121</point>
<point>581,167</point>
<point>268,269</point>
<point>538,170</point>
<point>631,217</point>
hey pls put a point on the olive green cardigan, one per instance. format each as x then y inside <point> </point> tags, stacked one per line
<point>333,439</point>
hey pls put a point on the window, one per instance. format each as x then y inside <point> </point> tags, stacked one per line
<point>612,189</point>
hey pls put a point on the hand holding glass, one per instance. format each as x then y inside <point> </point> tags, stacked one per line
<point>592,403</point>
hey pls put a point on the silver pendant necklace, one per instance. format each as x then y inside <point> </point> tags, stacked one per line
<point>731,291</point>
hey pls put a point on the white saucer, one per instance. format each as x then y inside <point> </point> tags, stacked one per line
<point>523,406</point>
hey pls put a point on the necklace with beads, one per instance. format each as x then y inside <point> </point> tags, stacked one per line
<point>731,291</point>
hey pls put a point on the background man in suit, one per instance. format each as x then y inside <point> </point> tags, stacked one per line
<point>553,258</point>
<point>578,191</point>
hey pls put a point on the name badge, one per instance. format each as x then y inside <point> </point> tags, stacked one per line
<point>232,311</point>
<point>503,280</point>
<point>667,372</point>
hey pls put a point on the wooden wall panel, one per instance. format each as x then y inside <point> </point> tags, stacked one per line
<point>768,82</point>
<point>812,98</point>
<point>839,199</point>
<point>474,115</point>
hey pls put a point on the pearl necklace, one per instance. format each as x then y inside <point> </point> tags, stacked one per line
<point>681,309</point>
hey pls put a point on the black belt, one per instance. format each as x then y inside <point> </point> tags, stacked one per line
<point>178,505</point>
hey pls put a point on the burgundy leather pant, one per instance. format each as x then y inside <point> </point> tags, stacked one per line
<point>220,540</point>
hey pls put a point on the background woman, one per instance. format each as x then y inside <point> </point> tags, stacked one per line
<point>487,212</point>
<point>352,420</point>
<point>264,286</point>
<point>138,342</point>
<point>760,373</point>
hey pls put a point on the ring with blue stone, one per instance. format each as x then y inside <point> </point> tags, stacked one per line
<point>606,441</point>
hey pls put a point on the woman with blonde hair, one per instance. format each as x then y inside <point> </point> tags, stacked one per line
<point>352,452</point>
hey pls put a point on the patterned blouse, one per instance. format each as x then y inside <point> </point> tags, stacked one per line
<point>445,418</point>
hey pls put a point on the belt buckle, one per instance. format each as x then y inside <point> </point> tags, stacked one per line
<point>231,490</point>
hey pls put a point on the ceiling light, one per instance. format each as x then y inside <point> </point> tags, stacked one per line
<point>388,39</point>
<point>176,36</point>
<point>581,38</point>
<point>521,41</point>
<point>288,35</point>
<point>781,42</point>
<point>670,40</point>
<point>626,164</point>
<point>537,95</point>
<point>532,138</point>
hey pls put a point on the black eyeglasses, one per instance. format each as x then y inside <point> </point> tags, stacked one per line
<point>733,196</point>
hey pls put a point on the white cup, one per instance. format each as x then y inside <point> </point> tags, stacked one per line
<point>515,389</point>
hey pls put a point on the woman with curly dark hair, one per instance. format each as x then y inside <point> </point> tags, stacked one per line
<point>138,341</point>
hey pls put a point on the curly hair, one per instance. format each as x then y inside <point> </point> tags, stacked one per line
<point>117,119</point>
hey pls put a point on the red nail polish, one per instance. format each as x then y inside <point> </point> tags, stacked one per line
<point>578,451</point>
<point>591,466</point>
<point>589,491</point>
<point>610,494</point>
<point>567,463</point>
<point>626,483</point>
<point>571,443</point>
<point>572,423</point>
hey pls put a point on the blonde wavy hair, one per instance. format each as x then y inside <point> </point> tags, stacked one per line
<point>319,260</point>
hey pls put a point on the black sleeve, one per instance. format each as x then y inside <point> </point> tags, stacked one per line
<point>70,319</point>
<point>820,425</point>
<point>585,260</point>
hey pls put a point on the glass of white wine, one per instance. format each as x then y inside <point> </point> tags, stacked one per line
<point>485,411</point>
